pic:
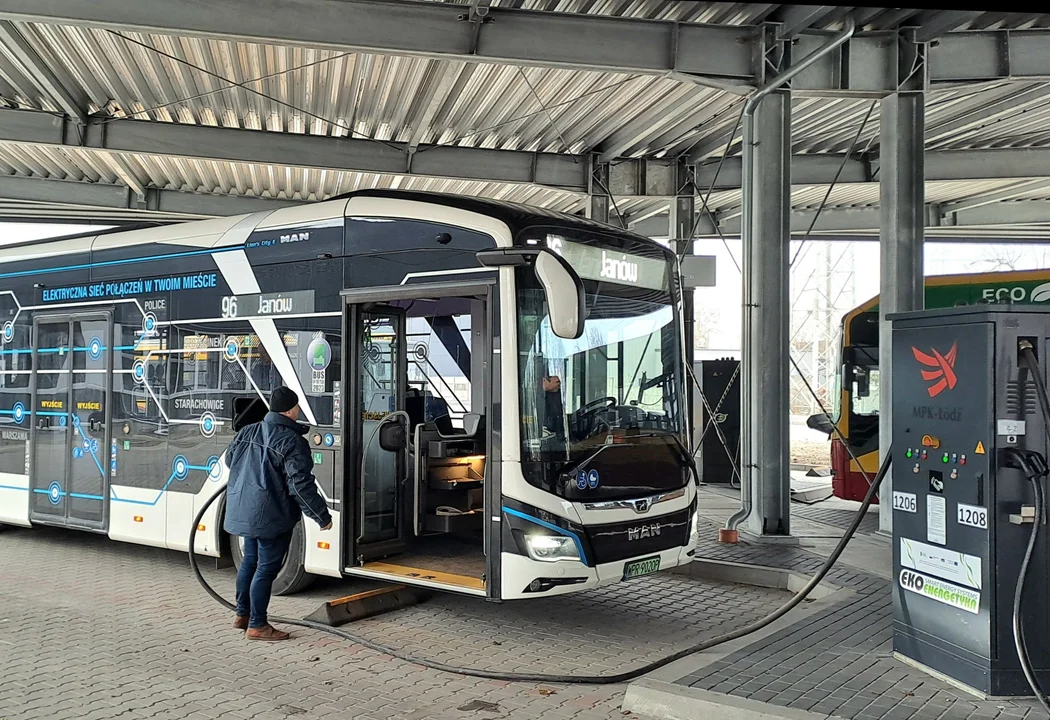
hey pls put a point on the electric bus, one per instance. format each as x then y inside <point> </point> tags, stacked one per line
<point>494,392</point>
<point>856,415</point>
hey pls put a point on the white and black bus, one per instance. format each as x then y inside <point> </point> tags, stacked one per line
<point>495,392</point>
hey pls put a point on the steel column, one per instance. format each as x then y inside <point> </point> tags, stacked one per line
<point>681,221</point>
<point>901,238</point>
<point>764,446</point>
<point>598,200</point>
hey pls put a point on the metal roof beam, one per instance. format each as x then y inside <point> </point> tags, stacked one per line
<point>811,169</point>
<point>1017,212</point>
<point>976,56</point>
<point>1006,214</point>
<point>93,197</point>
<point>936,23</point>
<point>1012,192</point>
<point>794,19</point>
<point>866,65</point>
<point>941,165</point>
<point>568,172</point>
<point>440,30</point>
<point>33,66</point>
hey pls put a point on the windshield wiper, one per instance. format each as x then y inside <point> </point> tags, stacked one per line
<point>579,466</point>
<point>687,457</point>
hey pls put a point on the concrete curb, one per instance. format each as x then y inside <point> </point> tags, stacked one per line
<point>657,699</point>
<point>759,575</point>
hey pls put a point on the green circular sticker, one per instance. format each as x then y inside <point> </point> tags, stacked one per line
<point>320,353</point>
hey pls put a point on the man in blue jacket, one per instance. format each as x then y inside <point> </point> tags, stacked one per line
<point>271,487</point>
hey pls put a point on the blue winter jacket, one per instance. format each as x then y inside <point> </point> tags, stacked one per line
<point>271,480</point>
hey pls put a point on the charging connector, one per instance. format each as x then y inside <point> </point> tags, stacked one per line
<point>1034,466</point>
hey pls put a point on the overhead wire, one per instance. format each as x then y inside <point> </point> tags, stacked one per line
<point>244,86</point>
<point>206,93</point>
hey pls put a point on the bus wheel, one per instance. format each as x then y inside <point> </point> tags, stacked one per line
<point>293,577</point>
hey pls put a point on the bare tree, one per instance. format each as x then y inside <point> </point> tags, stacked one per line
<point>999,258</point>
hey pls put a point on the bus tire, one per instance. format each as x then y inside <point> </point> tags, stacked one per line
<point>292,577</point>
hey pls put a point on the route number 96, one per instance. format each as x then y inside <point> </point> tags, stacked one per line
<point>229,306</point>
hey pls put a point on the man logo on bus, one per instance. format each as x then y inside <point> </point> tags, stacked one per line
<point>943,369</point>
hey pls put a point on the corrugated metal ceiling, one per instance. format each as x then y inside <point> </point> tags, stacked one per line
<point>414,100</point>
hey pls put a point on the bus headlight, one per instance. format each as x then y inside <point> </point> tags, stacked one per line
<point>548,548</point>
<point>694,525</point>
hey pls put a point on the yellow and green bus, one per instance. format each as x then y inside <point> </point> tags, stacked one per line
<point>855,445</point>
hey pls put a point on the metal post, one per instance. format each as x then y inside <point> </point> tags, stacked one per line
<point>681,221</point>
<point>766,343</point>
<point>901,184</point>
<point>599,202</point>
<point>596,361</point>
<point>766,203</point>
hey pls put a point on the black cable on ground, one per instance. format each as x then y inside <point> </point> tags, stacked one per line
<point>620,677</point>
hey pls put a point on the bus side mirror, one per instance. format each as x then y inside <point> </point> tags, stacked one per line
<point>564,291</point>
<point>821,423</point>
<point>561,284</point>
<point>860,377</point>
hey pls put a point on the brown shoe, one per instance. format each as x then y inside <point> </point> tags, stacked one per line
<point>241,622</point>
<point>266,633</point>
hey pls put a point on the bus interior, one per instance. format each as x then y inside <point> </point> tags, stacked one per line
<point>420,386</point>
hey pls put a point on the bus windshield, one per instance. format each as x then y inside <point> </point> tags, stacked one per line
<point>626,360</point>
<point>612,396</point>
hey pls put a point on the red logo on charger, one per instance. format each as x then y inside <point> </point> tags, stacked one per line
<point>943,369</point>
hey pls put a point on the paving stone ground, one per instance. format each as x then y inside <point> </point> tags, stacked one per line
<point>93,629</point>
<point>839,661</point>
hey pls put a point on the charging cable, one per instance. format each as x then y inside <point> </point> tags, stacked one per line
<point>1034,466</point>
<point>620,677</point>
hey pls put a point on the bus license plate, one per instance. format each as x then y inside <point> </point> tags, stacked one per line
<point>641,567</point>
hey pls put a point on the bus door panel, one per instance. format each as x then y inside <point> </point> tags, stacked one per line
<point>91,456</point>
<point>51,448</point>
<point>70,431</point>
<point>377,524</point>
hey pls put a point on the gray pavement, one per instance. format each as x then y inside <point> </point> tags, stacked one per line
<point>837,662</point>
<point>93,629</point>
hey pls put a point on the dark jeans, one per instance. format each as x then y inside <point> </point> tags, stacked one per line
<point>261,562</point>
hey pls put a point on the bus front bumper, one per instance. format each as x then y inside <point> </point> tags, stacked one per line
<point>524,578</point>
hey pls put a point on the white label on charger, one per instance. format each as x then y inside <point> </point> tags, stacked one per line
<point>936,519</point>
<point>905,502</point>
<point>946,564</point>
<point>973,515</point>
<point>1011,427</point>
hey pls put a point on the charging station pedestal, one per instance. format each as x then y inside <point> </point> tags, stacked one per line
<point>957,403</point>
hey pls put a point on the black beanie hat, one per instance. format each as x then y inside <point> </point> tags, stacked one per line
<point>283,399</point>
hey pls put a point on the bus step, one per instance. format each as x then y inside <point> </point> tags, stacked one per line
<point>367,604</point>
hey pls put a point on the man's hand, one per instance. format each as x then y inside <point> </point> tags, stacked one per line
<point>327,527</point>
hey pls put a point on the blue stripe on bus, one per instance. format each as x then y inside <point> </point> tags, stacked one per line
<point>555,528</point>
<point>55,350</point>
<point>128,261</point>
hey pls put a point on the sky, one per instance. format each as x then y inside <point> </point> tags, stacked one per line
<point>854,280</point>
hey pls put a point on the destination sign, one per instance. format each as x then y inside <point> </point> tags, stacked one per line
<point>265,304</point>
<point>605,265</point>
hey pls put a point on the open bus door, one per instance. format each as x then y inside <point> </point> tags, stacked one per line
<point>416,471</point>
